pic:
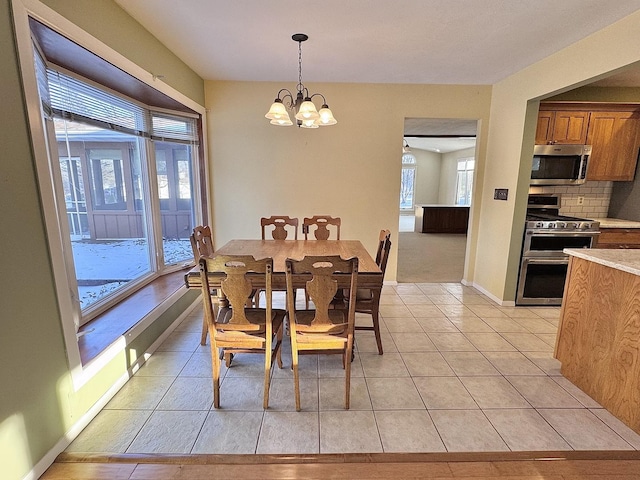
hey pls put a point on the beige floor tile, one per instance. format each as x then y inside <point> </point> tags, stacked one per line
<point>366,342</point>
<point>452,311</point>
<point>413,342</point>
<point>444,299</point>
<point>331,366</point>
<point>501,325</point>
<point>458,288</point>
<point>402,324</point>
<point>437,324</point>
<point>247,365</point>
<point>432,289</point>
<point>110,431</point>
<point>617,426</point>
<point>513,363</point>
<point>576,393</point>
<point>427,364</point>
<point>511,423</point>
<point>469,364</point>
<point>425,310</point>
<point>472,299</point>
<point>391,300</point>
<point>489,342</point>
<point>282,394</point>
<point>229,432</point>
<point>486,311</point>
<point>188,393</point>
<point>518,312</point>
<point>494,392</point>
<point>193,322</point>
<point>444,393</point>
<point>307,366</point>
<point>583,430</point>
<point>242,393</point>
<point>387,365</point>
<point>394,394</point>
<point>552,313</point>
<point>452,342</point>
<point>548,338</point>
<point>181,341</point>
<point>289,433</point>
<point>471,324</point>
<point>332,394</point>
<point>545,361</point>
<point>467,431</point>
<point>537,325</point>
<point>349,431</point>
<point>168,432</point>
<point>164,364</point>
<point>543,392</point>
<point>394,311</point>
<point>421,299</point>
<point>526,342</point>
<point>140,393</point>
<point>408,289</point>
<point>199,365</point>
<point>408,431</point>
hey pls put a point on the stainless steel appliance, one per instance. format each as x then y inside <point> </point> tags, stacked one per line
<point>543,265</point>
<point>559,164</point>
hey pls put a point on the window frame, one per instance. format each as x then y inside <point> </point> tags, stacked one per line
<point>51,202</point>
<point>465,171</point>
<point>409,163</point>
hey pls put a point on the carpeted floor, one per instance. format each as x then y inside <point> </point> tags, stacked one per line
<point>430,257</point>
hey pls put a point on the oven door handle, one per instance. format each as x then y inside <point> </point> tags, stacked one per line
<point>547,261</point>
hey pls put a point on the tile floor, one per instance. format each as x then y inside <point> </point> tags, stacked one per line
<point>459,374</point>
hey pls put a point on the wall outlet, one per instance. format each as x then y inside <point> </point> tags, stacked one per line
<point>580,200</point>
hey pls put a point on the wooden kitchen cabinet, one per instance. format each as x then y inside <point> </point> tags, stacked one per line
<point>614,138</point>
<point>562,127</point>
<point>619,238</point>
<point>613,131</point>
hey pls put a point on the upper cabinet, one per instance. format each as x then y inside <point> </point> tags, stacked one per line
<point>613,131</point>
<point>562,127</point>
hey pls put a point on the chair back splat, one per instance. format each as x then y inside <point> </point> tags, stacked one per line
<point>237,328</point>
<point>202,246</point>
<point>319,224</point>
<point>279,222</point>
<point>322,330</point>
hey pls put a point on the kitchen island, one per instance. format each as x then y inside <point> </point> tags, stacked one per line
<point>437,218</point>
<point>598,338</point>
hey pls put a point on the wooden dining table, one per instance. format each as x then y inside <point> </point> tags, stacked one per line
<point>369,274</point>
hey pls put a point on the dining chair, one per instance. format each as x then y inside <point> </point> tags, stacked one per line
<point>202,245</point>
<point>237,328</point>
<point>321,224</point>
<point>366,301</point>
<point>279,222</point>
<point>322,330</point>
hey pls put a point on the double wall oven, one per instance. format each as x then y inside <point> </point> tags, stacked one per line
<point>543,264</point>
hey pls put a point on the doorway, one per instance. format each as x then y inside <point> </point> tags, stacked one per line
<point>441,154</point>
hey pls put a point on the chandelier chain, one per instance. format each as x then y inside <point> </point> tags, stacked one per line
<point>300,86</point>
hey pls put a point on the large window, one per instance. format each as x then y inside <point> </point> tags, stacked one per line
<point>408,181</point>
<point>124,177</point>
<point>464,181</point>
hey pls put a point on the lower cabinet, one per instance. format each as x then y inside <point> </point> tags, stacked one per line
<point>619,238</point>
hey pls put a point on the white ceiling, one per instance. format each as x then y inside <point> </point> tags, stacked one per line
<point>367,41</point>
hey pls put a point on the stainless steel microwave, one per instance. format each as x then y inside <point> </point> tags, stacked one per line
<point>560,164</point>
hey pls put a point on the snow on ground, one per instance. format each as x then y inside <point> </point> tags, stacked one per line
<point>102,266</point>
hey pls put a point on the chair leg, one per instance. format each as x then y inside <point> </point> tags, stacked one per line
<point>375,315</point>
<point>296,378</point>
<point>216,374</point>
<point>347,375</point>
<point>279,345</point>
<point>205,330</point>
<point>267,374</point>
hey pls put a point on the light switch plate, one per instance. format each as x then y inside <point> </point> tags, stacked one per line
<point>501,194</point>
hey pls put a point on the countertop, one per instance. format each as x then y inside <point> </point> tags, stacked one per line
<point>455,206</point>
<point>616,223</point>
<point>627,260</point>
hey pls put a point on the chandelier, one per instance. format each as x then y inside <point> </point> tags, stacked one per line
<point>302,106</point>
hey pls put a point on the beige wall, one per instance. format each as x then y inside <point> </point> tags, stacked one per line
<point>351,170</point>
<point>428,166</point>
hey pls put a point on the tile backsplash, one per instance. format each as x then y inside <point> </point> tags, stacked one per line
<point>595,201</point>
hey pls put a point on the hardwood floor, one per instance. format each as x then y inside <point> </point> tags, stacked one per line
<point>601,465</point>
